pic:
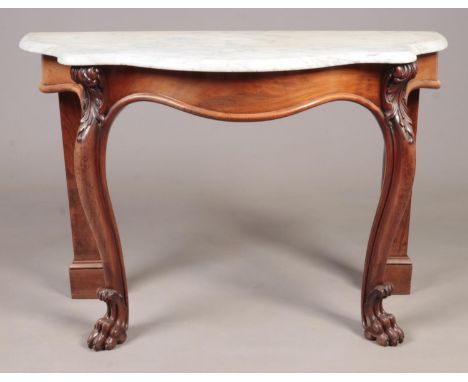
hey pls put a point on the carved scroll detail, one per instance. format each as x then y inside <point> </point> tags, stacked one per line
<point>92,104</point>
<point>111,329</point>
<point>379,325</point>
<point>394,98</point>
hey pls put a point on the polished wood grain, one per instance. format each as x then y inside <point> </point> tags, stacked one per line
<point>86,271</point>
<point>86,274</point>
<point>399,170</point>
<point>389,92</point>
<point>90,173</point>
<point>399,268</point>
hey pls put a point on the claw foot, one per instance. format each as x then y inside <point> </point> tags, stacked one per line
<point>110,329</point>
<point>379,325</point>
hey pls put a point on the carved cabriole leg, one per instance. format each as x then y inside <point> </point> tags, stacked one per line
<point>399,267</point>
<point>86,273</point>
<point>399,169</point>
<point>90,152</point>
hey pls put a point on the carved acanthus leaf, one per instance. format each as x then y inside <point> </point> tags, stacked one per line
<point>93,103</point>
<point>394,98</point>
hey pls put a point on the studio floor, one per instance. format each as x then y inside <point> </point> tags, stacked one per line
<point>233,285</point>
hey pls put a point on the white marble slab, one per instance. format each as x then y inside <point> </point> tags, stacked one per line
<point>233,51</point>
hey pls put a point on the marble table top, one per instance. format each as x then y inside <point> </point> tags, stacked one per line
<point>233,51</point>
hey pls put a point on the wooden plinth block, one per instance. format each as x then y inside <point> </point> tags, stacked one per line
<point>398,272</point>
<point>85,279</point>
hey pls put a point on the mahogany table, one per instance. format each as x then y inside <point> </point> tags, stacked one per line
<point>233,76</point>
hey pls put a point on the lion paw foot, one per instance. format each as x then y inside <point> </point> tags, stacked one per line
<point>379,325</point>
<point>111,329</point>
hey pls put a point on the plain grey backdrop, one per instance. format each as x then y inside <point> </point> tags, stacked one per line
<point>244,243</point>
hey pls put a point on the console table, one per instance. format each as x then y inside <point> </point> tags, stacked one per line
<point>233,76</point>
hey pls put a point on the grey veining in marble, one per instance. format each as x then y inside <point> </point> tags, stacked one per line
<point>233,51</point>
